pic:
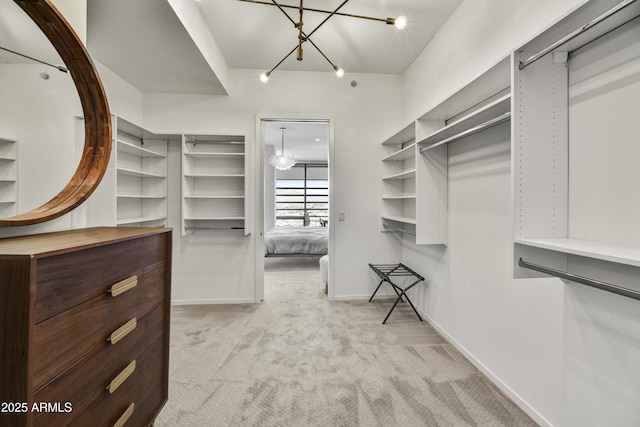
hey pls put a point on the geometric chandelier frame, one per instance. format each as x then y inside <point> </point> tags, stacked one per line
<point>400,22</point>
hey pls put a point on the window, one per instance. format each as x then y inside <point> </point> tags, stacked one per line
<point>302,192</point>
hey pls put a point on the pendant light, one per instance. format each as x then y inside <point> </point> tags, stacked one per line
<point>283,161</point>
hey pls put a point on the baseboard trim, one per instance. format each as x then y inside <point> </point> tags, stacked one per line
<point>363,297</point>
<point>213,301</point>
<point>522,404</point>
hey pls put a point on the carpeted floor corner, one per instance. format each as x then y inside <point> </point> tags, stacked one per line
<point>299,360</point>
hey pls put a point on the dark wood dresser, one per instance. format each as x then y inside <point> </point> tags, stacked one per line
<point>84,327</point>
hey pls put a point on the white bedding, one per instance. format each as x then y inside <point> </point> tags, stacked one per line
<point>297,240</point>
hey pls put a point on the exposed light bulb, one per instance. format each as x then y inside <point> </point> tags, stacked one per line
<point>339,71</point>
<point>401,22</point>
<point>264,77</point>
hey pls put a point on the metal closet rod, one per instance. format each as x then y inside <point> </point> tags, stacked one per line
<point>523,64</point>
<point>457,116</point>
<point>489,123</point>
<point>619,290</point>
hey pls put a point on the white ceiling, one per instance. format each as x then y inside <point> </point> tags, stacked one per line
<point>257,36</point>
<point>307,140</point>
<point>144,42</point>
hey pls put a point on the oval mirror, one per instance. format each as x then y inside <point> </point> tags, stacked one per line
<point>94,159</point>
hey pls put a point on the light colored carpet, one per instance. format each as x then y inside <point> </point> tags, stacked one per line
<point>299,360</point>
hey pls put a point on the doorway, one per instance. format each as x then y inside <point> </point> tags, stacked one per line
<point>293,204</point>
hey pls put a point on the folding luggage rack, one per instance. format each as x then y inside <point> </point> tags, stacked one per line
<point>385,272</point>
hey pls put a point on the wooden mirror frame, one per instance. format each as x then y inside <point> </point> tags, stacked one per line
<point>97,117</point>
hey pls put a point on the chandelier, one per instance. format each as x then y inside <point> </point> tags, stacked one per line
<point>400,23</point>
<point>283,161</point>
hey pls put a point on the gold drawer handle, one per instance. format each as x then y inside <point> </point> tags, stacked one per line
<point>121,377</point>
<point>123,331</point>
<point>123,286</point>
<point>125,416</point>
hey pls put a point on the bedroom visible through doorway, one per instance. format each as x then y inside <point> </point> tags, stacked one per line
<point>296,200</point>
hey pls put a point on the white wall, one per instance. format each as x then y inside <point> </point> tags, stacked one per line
<point>269,190</point>
<point>218,266</point>
<point>600,353</point>
<point>568,354</point>
<point>75,12</point>
<point>124,100</point>
<point>39,114</point>
<point>506,326</point>
<point>477,36</point>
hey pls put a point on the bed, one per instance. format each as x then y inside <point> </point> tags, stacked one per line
<point>285,241</point>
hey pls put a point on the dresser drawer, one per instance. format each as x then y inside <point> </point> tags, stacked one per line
<point>145,388</point>
<point>87,380</point>
<point>64,281</point>
<point>64,339</point>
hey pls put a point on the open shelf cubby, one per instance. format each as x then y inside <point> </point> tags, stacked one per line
<point>8,177</point>
<point>214,182</point>
<point>133,191</point>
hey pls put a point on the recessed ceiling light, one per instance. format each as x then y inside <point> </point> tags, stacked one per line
<point>317,139</point>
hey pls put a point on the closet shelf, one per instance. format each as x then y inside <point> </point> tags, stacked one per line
<point>137,173</point>
<point>7,159</point>
<point>401,219</point>
<point>587,248</point>
<point>575,36</point>
<point>222,197</point>
<point>147,196</point>
<point>126,147</point>
<point>214,175</point>
<point>403,175</point>
<point>221,141</point>
<point>214,218</point>
<point>7,180</point>
<point>403,197</point>
<point>387,228</point>
<point>492,114</point>
<point>201,155</point>
<point>7,201</point>
<point>406,153</point>
<point>140,219</point>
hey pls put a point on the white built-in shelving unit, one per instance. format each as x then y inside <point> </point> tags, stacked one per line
<point>214,183</point>
<point>141,167</point>
<point>8,177</point>
<point>482,104</point>
<point>420,206</point>
<point>399,182</point>
<point>134,189</point>
<point>575,142</point>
